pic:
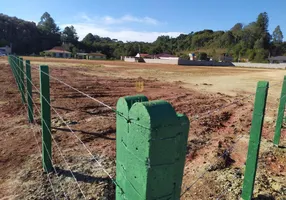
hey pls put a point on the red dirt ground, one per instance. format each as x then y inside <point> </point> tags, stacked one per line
<point>211,134</point>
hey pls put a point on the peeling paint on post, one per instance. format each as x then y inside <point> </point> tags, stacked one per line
<point>151,142</point>
<point>254,141</point>
<point>280,115</point>
<point>29,92</point>
<point>46,118</point>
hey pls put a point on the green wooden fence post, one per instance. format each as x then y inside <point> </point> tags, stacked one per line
<point>151,142</point>
<point>254,141</point>
<point>22,80</point>
<point>280,115</point>
<point>46,118</point>
<point>15,70</point>
<point>29,92</point>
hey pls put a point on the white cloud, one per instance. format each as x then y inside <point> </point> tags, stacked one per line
<point>125,35</point>
<point>108,20</point>
<point>129,18</point>
<point>108,26</point>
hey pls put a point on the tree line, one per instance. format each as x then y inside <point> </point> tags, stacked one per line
<point>252,41</point>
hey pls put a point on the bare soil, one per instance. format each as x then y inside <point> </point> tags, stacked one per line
<point>217,144</point>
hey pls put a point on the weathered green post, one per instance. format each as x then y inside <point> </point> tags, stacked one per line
<point>151,142</point>
<point>280,115</point>
<point>22,80</point>
<point>254,141</point>
<point>46,118</point>
<point>29,92</point>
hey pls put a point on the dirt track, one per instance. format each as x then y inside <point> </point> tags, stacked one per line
<point>209,137</point>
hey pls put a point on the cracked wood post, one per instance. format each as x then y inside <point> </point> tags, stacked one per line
<point>151,142</point>
<point>46,118</point>
<point>280,115</point>
<point>29,92</point>
<point>254,141</point>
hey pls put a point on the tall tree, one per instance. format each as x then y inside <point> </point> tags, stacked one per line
<point>262,29</point>
<point>277,35</point>
<point>47,24</point>
<point>237,27</point>
<point>262,22</point>
<point>69,35</point>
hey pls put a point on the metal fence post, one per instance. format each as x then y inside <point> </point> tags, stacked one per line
<point>29,92</point>
<point>151,140</point>
<point>46,118</point>
<point>280,115</point>
<point>254,141</point>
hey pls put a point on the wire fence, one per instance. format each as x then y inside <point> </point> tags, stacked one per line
<point>197,117</point>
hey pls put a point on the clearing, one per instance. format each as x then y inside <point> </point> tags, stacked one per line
<point>191,90</point>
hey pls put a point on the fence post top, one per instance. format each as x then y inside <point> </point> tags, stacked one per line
<point>125,103</point>
<point>153,113</point>
<point>44,67</point>
<point>263,84</point>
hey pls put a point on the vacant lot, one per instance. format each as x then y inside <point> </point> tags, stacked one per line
<point>191,90</point>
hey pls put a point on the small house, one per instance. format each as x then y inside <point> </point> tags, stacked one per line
<point>225,58</point>
<point>277,59</point>
<point>96,56</point>
<point>143,55</point>
<point>58,52</point>
<point>166,56</point>
<point>5,50</point>
<point>81,55</point>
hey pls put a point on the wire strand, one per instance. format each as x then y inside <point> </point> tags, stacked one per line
<point>74,135</point>
<point>27,107</point>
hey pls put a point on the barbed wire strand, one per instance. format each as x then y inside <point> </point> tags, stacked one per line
<point>69,168</point>
<point>96,100</point>
<point>73,134</point>
<point>40,154</point>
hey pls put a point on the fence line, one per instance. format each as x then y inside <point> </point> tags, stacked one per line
<point>198,117</point>
<point>226,151</point>
<point>61,118</point>
<point>45,144</point>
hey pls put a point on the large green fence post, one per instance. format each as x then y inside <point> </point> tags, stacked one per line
<point>29,92</point>
<point>280,115</point>
<point>151,140</point>
<point>22,80</point>
<point>46,118</point>
<point>254,141</point>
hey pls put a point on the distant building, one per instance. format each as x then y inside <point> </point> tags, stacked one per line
<point>277,59</point>
<point>166,56</point>
<point>5,50</point>
<point>225,58</point>
<point>58,52</point>
<point>96,56</point>
<point>143,55</point>
<point>81,55</point>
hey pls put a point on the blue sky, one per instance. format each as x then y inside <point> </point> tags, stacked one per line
<point>146,20</point>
